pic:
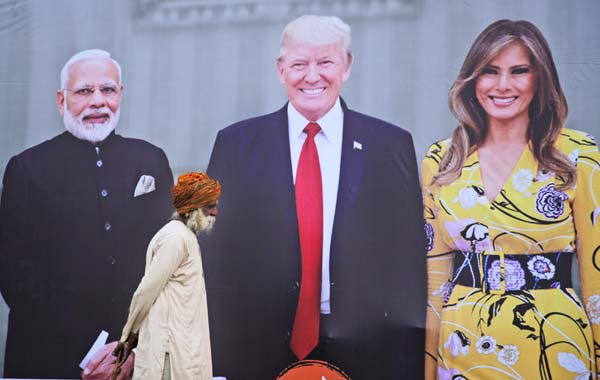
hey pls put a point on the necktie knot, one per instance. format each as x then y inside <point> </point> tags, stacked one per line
<point>312,129</point>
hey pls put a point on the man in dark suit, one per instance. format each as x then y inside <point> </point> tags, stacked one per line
<point>318,253</point>
<point>76,215</point>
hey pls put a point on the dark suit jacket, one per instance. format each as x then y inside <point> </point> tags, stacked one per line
<point>71,254</point>
<point>377,264</point>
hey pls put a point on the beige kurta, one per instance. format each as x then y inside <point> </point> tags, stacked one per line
<point>169,309</point>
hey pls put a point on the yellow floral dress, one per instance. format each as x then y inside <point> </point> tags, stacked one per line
<point>500,301</point>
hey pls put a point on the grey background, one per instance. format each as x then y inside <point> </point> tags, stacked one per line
<point>193,67</point>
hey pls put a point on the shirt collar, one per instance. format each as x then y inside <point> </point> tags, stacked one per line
<point>331,123</point>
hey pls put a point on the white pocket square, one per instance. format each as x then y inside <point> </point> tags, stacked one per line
<point>145,185</point>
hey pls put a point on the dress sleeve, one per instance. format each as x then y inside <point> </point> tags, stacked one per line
<point>439,261</point>
<point>586,215</point>
<point>167,257</point>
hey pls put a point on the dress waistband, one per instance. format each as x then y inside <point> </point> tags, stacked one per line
<point>506,273</point>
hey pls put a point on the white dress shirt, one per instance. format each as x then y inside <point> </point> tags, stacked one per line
<point>329,147</point>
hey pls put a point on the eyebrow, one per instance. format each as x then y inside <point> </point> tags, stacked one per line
<point>303,59</point>
<point>85,84</point>
<point>511,67</point>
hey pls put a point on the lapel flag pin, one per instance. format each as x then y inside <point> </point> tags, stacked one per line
<point>357,145</point>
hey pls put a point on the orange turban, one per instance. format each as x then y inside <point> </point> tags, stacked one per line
<point>194,190</point>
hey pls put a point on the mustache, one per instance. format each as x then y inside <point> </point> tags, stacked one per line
<point>103,110</point>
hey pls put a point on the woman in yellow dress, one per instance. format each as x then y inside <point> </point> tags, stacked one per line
<point>509,200</point>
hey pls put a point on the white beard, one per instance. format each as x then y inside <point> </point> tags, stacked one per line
<point>87,131</point>
<point>198,222</point>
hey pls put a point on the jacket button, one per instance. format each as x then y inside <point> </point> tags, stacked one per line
<point>296,286</point>
<point>99,163</point>
<point>104,193</point>
<point>111,260</point>
<point>107,226</point>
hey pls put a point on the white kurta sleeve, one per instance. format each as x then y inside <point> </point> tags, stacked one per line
<point>167,256</point>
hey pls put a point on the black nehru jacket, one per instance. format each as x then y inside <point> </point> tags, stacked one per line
<point>73,239</point>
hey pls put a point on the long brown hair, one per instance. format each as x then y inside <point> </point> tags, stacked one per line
<point>547,111</point>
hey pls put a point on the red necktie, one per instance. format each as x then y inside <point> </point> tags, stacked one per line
<point>309,207</point>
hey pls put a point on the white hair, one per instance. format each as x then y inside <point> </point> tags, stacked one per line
<point>316,30</point>
<point>83,55</point>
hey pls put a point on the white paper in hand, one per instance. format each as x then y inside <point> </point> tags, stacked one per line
<point>100,341</point>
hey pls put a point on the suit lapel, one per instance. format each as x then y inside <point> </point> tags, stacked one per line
<point>278,174</point>
<point>352,163</point>
<point>354,150</point>
<point>275,132</point>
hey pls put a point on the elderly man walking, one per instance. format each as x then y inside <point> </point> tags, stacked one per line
<point>168,310</point>
<point>76,215</point>
<point>319,249</point>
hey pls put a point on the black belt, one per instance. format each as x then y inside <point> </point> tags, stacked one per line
<point>509,273</point>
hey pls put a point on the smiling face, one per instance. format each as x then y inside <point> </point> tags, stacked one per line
<point>506,86</point>
<point>313,76</point>
<point>90,103</point>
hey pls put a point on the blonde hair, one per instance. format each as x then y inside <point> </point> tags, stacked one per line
<point>547,111</point>
<point>316,30</point>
